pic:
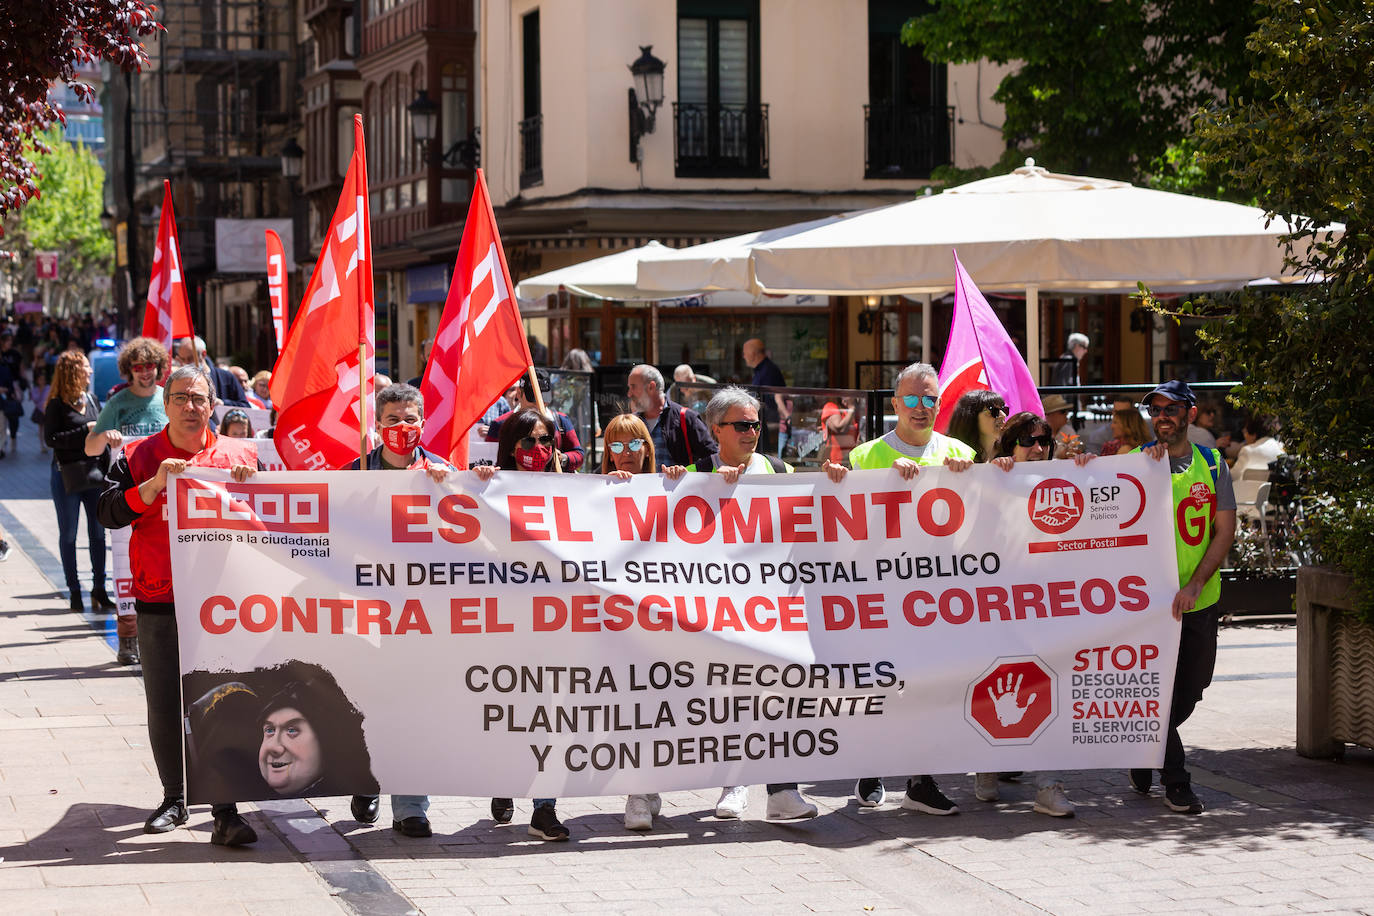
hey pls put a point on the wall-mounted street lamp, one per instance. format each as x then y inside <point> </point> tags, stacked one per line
<point>291,158</point>
<point>424,124</point>
<point>645,97</point>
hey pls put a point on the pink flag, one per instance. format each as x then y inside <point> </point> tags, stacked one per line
<point>981,355</point>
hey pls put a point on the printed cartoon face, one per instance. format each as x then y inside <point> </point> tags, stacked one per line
<point>290,758</point>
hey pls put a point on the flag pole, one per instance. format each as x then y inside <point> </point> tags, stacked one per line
<point>364,216</point>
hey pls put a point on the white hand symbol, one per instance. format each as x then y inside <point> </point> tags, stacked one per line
<point>1004,700</point>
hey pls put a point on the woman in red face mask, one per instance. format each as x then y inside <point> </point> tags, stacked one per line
<point>527,444</point>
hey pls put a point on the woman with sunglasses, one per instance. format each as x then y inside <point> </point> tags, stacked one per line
<point>527,444</point>
<point>1028,437</point>
<point>630,451</point>
<point>977,422</point>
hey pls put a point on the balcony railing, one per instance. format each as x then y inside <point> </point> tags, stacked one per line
<point>531,152</point>
<point>720,141</point>
<point>907,141</point>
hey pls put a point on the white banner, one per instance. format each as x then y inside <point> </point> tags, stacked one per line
<point>543,635</point>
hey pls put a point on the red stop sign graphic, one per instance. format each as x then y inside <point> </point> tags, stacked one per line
<point>1013,701</point>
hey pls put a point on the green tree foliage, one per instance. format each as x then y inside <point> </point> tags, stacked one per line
<point>64,216</point>
<point>1303,145</point>
<point>1101,88</point>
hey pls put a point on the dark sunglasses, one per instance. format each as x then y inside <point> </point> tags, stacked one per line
<point>528,442</point>
<point>998,411</point>
<point>1168,410</point>
<point>1028,441</point>
<point>633,445</point>
<point>920,400</point>
<point>744,426</point>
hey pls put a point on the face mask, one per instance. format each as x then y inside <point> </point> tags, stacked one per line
<point>402,437</point>
<point>533,459</point>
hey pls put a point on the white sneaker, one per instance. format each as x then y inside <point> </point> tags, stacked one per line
<point>655,803</point>
<point>985,786</point>
<point>639,813</point>
<point>788,805</point>
<point>1051,800</point>
<point>733,801</point>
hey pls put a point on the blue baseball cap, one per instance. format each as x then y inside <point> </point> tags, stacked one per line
<point>1174,390</point>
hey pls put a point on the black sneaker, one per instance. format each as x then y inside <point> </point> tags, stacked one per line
<point>232,830</point>
<point>870,792</point>
<point>502,810</point>
<point>922,794</point>
<point>1141,780</point>
<point>546,825</point>
<point>1179,797</point>
<point>168,816</point>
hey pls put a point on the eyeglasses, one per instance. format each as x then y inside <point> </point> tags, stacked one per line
<point>633,445</point>
<point>1028,441</point>
<point>143,367</point>
<point>236,416</point>
<point>1168,410</point>
<point>998,411</point>
<point>528,442</point>
<point>745,426</point>
<point>198,401</point>
<point>920,400</point>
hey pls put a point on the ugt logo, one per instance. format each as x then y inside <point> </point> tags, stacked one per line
<point>1194,513</point>
<point>1013,701</point>
<point>1055,505</point>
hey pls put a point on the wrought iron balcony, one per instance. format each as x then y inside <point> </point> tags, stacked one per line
<point>531,152</point>
<point>907,141</point>
<point>720,141</point>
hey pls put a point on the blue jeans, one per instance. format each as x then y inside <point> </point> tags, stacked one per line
<point>404,806</point>
<point>540,802</point>
<point>68,507</point>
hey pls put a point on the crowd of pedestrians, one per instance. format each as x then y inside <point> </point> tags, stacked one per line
<point>114,462</point>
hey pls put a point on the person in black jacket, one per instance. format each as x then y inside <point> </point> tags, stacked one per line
<point>678,433</point>
<point>68,417</point>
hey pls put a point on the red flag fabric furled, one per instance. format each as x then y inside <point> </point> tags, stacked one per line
<point>322,403</point>
<point>981,355</point>
<point>167,315</point>
<point>480,348</point>
<point>276,284</point>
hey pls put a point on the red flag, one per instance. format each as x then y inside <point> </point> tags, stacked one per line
<point>167,316</point>
<point>981,355</point>
<point>322,403</point>
<point>276,284</point>
<point>480,348</point>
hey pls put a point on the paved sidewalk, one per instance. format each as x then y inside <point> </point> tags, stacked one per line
<point>1281,834</point>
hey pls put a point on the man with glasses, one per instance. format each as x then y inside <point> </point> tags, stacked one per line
<point>1205,520</point>
<point>400,421</point>
<point>678,434</point>
<point>913,443</point>
<point>136,494</point>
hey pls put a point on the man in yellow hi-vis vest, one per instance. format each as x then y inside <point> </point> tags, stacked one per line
<point>1204,528</point>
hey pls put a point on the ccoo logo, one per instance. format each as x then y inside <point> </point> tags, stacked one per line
<point>1055,505</point>
<point>298,508</point>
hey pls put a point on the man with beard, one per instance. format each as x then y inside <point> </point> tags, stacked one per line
<point>1205,519</point>
<point>678,433</point>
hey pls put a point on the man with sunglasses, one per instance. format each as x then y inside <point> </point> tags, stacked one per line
<point>913,443</point>
<point>678,433</point>
<point>400,421</point>
<point>1205,519</point>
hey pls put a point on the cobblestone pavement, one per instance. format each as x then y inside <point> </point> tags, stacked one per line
<point>1281,834</point>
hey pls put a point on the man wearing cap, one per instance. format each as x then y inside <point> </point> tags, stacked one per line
<point>1066,442</point>
<point>913,443</point>
<point>1205,520</point>
<point>566,441</point>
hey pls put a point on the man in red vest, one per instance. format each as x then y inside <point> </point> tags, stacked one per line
<point>136,495</point>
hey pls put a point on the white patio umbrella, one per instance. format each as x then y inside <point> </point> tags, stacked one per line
<point>611,277</point>
<point>725,264</point>
<point>1031,230</point>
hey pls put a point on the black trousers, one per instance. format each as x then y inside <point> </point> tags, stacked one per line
<point>157,647</point>
<point>1197,657</point>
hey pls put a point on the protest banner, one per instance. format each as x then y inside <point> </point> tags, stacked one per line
<point>558,635</point>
